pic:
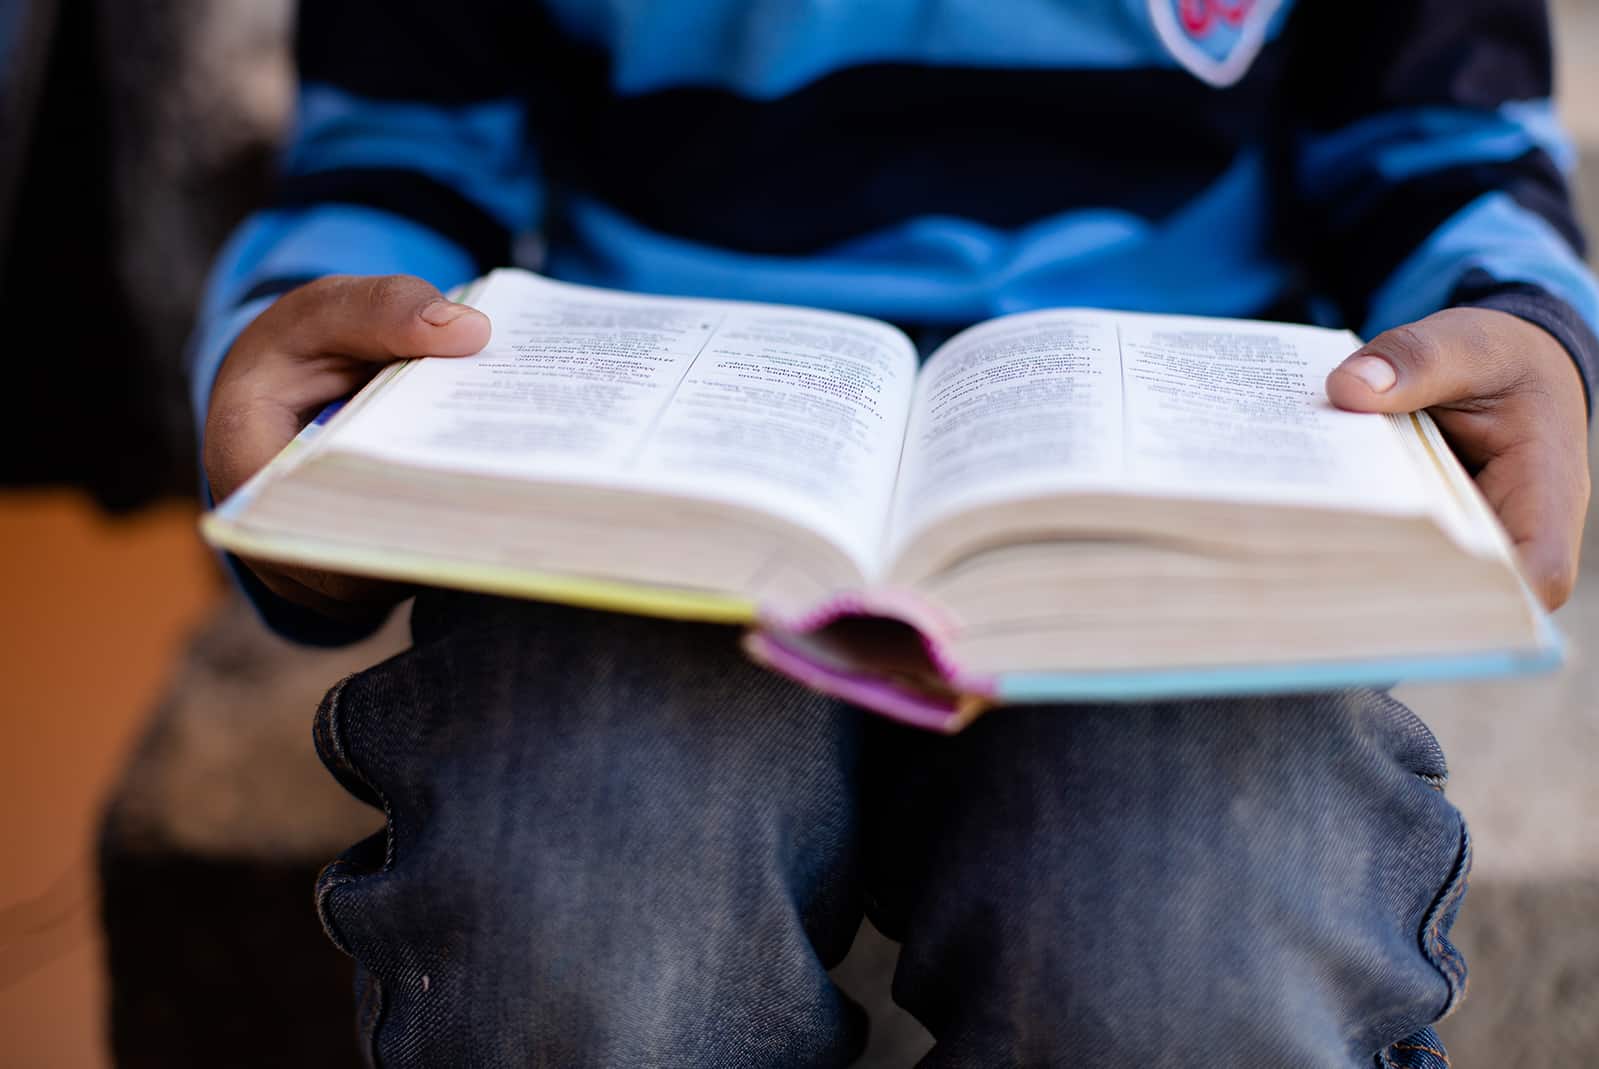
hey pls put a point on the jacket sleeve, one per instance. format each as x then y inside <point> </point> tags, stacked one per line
<point>409,154</point>
<point>1429,170</point>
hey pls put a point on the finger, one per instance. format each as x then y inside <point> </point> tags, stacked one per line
<point>379,318</point>
<point>240,440</point>
<point>1542,500</point>
<point>1448,358</point>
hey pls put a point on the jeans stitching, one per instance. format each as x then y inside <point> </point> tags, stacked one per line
<point>329,750</point>
<point>1444,956</point>
<point>336,740</point>
<point>1437,783</point>
<point>1434,1051</point>
<point>334,874</point>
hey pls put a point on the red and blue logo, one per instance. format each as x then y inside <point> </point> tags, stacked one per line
<point>1215,39</point>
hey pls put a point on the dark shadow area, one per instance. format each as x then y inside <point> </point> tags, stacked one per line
<point>113,192</point>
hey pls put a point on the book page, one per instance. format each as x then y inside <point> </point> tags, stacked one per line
<point>1060,402</point>
<point>1022,405</point>
<point>1239,410</point>
<point>795,412</point>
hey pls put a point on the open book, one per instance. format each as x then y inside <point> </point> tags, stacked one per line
<point>1058,505</point>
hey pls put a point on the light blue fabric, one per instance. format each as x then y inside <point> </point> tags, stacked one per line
<point>763,50</point>
<point>1400,145</point>
<point>480,150</point>
<point>1497,235</point>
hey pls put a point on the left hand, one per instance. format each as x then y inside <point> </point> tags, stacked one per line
<point>1510,400</point>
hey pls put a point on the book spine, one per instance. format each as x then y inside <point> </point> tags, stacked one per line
<point>928,620</point>
<point>946,712</point>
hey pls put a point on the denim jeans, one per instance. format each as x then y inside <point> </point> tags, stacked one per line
<point>610,841</point>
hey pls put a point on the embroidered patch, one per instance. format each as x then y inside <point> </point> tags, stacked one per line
<point>1216,40</point>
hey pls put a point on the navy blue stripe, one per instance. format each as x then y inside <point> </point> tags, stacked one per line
<point>867,147</point>
<point>418,49</point>
<point>1358,58</point>
<point>408,194</point>
<point>1356,252</point>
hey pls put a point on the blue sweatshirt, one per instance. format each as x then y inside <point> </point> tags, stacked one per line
<point>930,162</point>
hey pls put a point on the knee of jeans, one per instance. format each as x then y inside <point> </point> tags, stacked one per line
<point>588,863</point>
<point>591,945</point>
<point>1236,881</point>
<point>547,726</point>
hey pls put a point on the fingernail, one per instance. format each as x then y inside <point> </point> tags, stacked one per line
<point>441,312</point>
<point>1374,371</point>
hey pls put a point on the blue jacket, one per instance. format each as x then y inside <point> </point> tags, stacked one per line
<point>932,162</point>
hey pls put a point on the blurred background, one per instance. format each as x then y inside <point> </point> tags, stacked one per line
<point>161,812</point>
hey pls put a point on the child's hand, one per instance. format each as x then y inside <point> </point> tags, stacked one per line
<point>314,345</point>
<point>1510,400</point>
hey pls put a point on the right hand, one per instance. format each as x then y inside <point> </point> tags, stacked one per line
<point>313,346</point>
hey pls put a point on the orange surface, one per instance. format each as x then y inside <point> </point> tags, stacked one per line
<point>95,610</point>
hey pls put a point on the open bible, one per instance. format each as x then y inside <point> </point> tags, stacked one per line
<point>1057,505</point>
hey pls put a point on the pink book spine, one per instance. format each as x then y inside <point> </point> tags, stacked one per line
<point>944,711</point>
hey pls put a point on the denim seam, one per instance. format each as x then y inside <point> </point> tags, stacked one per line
<point>1444,957</point>
<point>331,752</point>
<point>333,875</point>
<point>1434,1051</point>
<point>1437,783</point>
<point>337,739</point>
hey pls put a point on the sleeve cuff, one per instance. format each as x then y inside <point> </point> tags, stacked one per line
<point>1542,308</point>
<point>291,621</point>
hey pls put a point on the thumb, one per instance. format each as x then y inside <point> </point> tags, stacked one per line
<point>1441,360</point>
<point>380,318</point>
